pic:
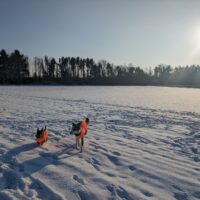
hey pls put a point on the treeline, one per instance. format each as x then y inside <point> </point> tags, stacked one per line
<point>15,68</point>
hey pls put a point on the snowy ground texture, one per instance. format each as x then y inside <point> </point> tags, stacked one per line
<point>131,153</point>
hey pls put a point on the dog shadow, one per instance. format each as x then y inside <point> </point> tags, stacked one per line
<point>31,166</point>
<point>45,158</point>
<point>17,150</point>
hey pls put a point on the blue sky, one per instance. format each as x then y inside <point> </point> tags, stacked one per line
<point>142,32</point>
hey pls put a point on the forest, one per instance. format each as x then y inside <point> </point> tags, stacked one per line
<point>16,68</point>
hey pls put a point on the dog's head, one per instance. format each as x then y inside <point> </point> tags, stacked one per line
<point>40,131</point>
<point>75,129</point>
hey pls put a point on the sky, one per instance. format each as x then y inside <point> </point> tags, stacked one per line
<point>142,32</point>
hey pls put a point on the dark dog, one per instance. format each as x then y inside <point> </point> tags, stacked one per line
<point>76,129</point>
<point>80,130</point>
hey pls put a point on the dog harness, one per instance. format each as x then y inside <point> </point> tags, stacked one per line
<point>84,127</point>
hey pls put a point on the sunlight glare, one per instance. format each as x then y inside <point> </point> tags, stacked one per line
<point>197,37</point>
<point>195,52</point>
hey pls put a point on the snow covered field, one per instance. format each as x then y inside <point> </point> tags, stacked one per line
<point>142,143</point>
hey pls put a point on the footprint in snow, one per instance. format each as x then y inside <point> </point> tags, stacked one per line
<point>95,161</point>
<point>177,188</point>
<point>132,167</point>
<point>116,153</point>
<point>194,150</point>
<point>79,180</point>
<point>181,196</point>
<point>114,159</point>
<point>118,191</point>
<point>147,194</point>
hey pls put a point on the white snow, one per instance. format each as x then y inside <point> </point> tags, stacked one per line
<point>142,143</point>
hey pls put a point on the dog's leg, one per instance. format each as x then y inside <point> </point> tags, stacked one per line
<point>77,143</point>
<point>82,143</point>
